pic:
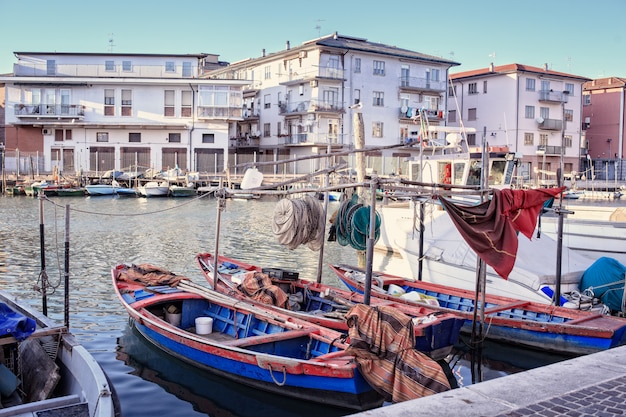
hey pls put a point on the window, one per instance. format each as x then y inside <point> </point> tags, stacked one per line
<point>109,102</point>
<point>545,85</point>
<point>357,65</point>
<point>434,74</point>
<point>543,139</point>
<point>529,112</point>
<point>357,96</point>
<point>185,108</point>
<point>569,115</point>
<point>379,68</point>
<point>544,112</point>
<point>377,129</point>
<point>529,139</point>
<point>169,103</point>
<point>568,143</point>
<point>405,75</point>
<point>267,130</point>
<point>530,84</point>
<point>452,91</point>
<point>109,65</point>
<point>127,102</point>
<point>472,88</point>
<point>58,135</point>
<point>404,101</point>
<point>134,137</point>
<point>208,138</point>
<point>170,66</point>
<point>187,69</point>
<point>51,67</point>
<point>451,116</point>
<point>379,98</point>
<point>301,89</point>
<point>173,138</point>
<point>471,114</point>
<point>267,101</point>
<point>484,87</point>
<point>569,87</point>
<point>102,136</point>
<point>471,139</point>
<point>586,99</point>
<point>267,72</point>
<point>127,66</point>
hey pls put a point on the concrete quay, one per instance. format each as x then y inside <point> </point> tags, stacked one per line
<point>591,385</point>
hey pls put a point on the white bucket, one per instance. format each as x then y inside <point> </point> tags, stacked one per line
<point>173,318</point>
<point>395,290</point>
<point>204,325</point>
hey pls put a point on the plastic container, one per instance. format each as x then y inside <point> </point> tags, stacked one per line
<point>395,290</point>
<point>204,325</point>
<point>173,318</point>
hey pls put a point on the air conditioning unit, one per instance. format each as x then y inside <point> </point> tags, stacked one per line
<point>313,83</point>
<point>46,132</point>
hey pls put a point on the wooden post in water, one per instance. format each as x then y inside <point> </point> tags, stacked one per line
<point>67,267</point>
<point>42,249</point>
<point>221,202</point>
<point>359,144</point>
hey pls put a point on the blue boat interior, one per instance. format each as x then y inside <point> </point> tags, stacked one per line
<point>246,330</point>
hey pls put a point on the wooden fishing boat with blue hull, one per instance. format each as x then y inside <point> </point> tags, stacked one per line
<point>540,326</point>
<point>253,346</point>
<point>436,332</point>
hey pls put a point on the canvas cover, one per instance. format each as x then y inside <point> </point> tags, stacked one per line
<point>259,287</point>
<point>382,340</point>
<point>15,324</point>
<point>491,228</point>
<point>605,280</point>
<point>148,275</point>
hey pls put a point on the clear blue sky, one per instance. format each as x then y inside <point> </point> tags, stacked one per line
<point>579,37</point>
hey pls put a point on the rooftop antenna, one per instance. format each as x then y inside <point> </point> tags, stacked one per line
<point>493,56</point>
<point>319,27</point>
<point>111,44</point>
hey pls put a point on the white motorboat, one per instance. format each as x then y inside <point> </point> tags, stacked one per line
<point>154,189</point>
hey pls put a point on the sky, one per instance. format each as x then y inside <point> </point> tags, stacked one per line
<point>579,37</point>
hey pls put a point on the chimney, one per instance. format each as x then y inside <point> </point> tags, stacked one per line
<point>263,53</point>
<point>545,66</point>
<point>491,67</point>
<point>288,46</point>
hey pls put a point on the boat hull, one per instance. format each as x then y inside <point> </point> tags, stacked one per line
<point>520,322</point>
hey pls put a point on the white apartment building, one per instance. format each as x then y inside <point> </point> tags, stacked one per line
<point>105,111</point>
<point>300,101</point>
<point>534,111</point>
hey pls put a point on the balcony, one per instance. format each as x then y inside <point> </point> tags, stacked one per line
<point>245,141</point>
<point>49,111</point>
<point>549,96</point>
<point>227,113</point>
<point>321,74</point>
<point>411,112</point>
<point>550,124</point>
<point>312,139</point>
<point>33,69</point>
<point>549,150</point>
<point>420,84</point>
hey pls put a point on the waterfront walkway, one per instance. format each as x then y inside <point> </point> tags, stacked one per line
<point>591,385</point>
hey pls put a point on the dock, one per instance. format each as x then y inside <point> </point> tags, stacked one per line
<point>591,385</point>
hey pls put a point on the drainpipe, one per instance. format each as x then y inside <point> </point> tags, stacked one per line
<point>193,126</point>
<point>621,133</point>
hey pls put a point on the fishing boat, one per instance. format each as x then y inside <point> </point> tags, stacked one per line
<point>103,189</point>
<point>521,322</point>
<point>237,340</point>
<point>436,333</point>
<point>45,371</point>
<point>183,191</point>
<point>71,192</point>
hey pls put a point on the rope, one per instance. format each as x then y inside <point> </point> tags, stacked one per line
<point>280,384</point>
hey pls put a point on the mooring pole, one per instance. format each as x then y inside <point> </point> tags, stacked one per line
<point>67,266</point>
<point>221,202</point>
<point>369,254</point>
<point>42,251</point>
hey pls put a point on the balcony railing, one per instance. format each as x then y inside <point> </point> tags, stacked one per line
<point>319,73</point>
<point>308,139</point>
<point>553,96</point>
<point>421,84</point>
<point>549,150</point>
<point>49,110</point>
<point>220,112</point>
<point>551,124</point>
<point>28,69</point>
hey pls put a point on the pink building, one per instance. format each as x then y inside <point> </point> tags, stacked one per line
<point>603,121</point>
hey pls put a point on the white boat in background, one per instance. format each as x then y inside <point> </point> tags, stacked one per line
<point>103,189</point>
<point>48,373</point>
<point>183,191</point>
<point>592,231</point>
<point>154,189</point>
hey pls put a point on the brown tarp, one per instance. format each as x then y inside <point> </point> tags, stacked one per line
<point>259,287</point>
<point>490,228</point>
<point>148,275</point>
<point>382,340</point>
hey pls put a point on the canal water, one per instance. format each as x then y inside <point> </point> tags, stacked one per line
<point>105,231</point>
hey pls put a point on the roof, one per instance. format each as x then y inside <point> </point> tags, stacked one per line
<point>113,54</point>
<point>604,83</point>
<point>513,68</point>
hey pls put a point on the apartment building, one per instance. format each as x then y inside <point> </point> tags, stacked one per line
<point>603,121</point>
<point>105,111</point>
<point>533,111</point>
<point>302,100</point>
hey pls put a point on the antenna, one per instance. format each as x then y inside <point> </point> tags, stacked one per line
<point>493,56</point>
<point>111,44</point>
<point>319,27</point>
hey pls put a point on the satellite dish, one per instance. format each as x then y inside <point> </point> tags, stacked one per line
<point>539,120</point>
<point>404,109</point>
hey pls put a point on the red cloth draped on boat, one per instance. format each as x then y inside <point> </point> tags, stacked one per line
<point>490,228</point>
<point>382,341</point>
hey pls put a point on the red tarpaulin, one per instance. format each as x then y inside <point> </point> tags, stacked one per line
<point>490,228</point>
